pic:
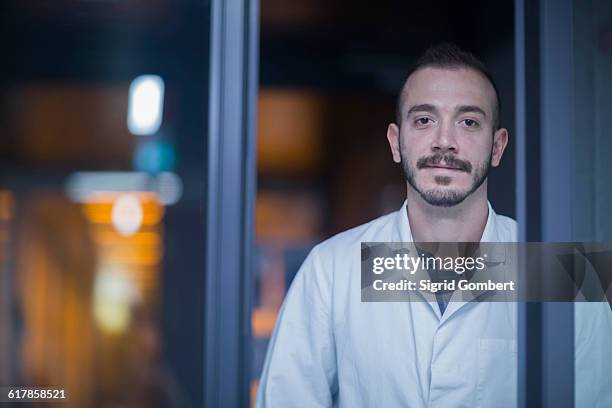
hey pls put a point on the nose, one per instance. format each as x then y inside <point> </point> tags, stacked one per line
<point>444,140</point>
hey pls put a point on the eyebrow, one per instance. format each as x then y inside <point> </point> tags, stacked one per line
<point>471,109</point>
<point>425,107</point>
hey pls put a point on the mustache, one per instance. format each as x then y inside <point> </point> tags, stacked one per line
<point>449,160</point>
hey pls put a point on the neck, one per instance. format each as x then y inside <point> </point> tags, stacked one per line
<point>464,222</point>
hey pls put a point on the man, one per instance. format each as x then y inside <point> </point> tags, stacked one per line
<point>331,349</point>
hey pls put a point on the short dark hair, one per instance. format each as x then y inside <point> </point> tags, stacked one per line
<point>450,56</point>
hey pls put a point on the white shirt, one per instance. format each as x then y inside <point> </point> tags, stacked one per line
<point>330,349</point>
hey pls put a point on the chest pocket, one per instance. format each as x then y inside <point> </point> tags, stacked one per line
<point>497,373</point>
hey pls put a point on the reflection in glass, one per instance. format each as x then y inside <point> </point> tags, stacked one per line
<point>592,219</point>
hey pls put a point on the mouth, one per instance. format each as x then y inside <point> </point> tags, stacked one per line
<point>443,167</point>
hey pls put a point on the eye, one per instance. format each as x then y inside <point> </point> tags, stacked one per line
<point>423,121</point>
<point>470,122</point>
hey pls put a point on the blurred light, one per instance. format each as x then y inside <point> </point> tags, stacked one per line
<point>263,321</point>
<point>6,215</point>
<point>98,209</point>
<point>114,294</point>
<point>81,186</point>
<point>145,104</point>
<point>100,187</point>
<point>154,156</point>
<point>6,205</point>
<point>278,112</point>
<point>107,237</point>
<point>169,187</point>
<point>127,214</point>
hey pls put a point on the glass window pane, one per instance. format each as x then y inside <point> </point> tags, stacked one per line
<point>103,118</point>
<point>330,73</point>
<point>592,219</point>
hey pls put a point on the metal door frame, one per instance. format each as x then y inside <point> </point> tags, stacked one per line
<point>230,197</point>
<point>545,126</point>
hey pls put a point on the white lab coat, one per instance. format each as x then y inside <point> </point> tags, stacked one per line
<point>330,349</point>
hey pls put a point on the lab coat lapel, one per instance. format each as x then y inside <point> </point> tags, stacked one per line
<point>403,234</point>
<point>489,235</point>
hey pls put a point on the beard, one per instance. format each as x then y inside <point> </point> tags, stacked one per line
<point>445,197</point>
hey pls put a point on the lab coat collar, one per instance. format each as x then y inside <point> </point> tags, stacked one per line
<point>403,234</point>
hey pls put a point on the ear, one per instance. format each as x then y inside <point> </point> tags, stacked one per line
<point>393,134</point>
<point>500,141</point>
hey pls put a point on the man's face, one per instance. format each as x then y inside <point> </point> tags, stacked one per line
<point>446,141</point>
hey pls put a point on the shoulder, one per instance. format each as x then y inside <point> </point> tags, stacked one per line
<point>379,229</point>
<point>334,265</point>
<point>337,257</point>
<point>507,228</point>
<point>342,252</point>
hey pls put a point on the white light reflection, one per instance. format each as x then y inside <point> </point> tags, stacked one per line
<point>114,295</point>
<point>127,214</point>
<point>146,104</point>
